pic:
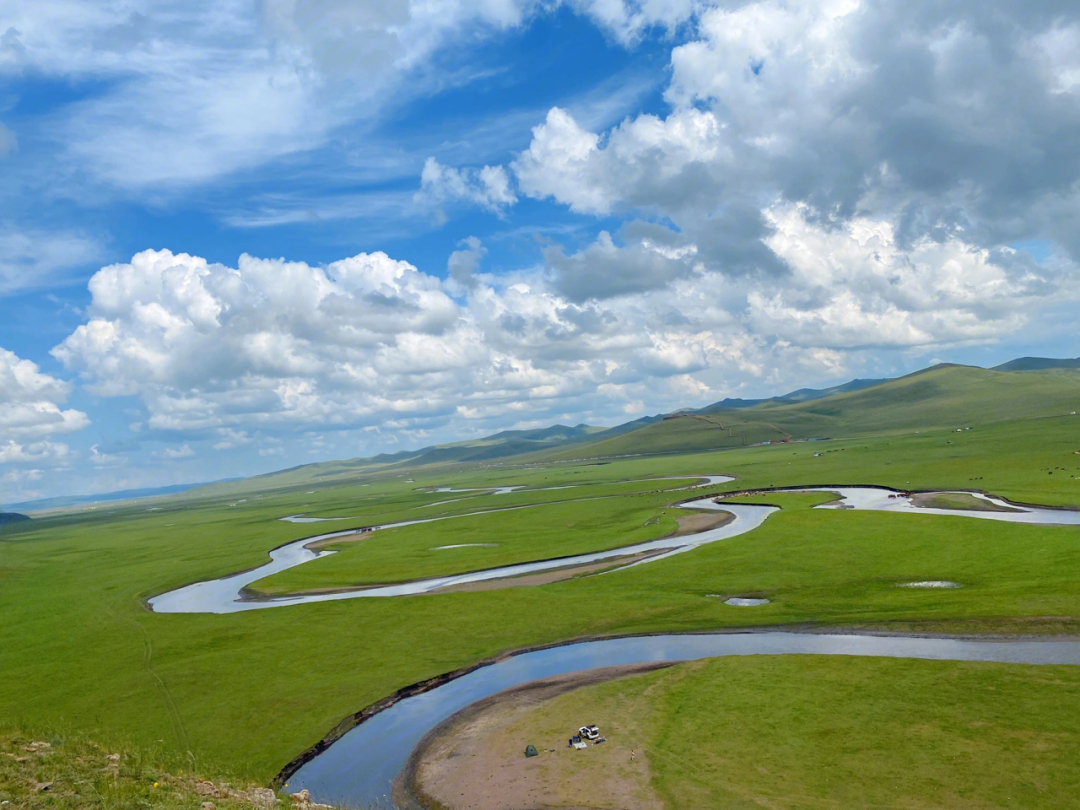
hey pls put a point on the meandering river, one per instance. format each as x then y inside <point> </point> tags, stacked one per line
<point>226,595</point>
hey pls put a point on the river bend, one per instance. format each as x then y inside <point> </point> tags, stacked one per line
<point>357,770</point>
<point>226,595</point>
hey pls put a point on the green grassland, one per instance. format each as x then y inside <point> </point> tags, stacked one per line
<point>963,501</point>
<point>411,552</point>
<point>791,733</point>
<point>245,693</point>
<point>1022,423</point>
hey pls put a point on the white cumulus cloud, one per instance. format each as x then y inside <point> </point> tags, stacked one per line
<point>239,355</point>
<point>30,403</point>
<point>488,187</point>
<point>631,165</point>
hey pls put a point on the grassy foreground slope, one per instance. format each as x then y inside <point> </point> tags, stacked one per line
<point>247,692</point>
<point>817,733</point>
<point>74,773</point>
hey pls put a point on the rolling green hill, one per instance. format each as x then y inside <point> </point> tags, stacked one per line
<point>1037,364</point>
<point>944,396</point>
<point>500,445</point>
<point>801,395</point>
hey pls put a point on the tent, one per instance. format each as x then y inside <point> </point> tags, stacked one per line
<point>530,751</point>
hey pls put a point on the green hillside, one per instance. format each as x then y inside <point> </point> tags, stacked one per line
<point>945,396</point>
<point>942,396</point>
<point>680,433</point>
<point>801,395</point>
<point>1037,364</point>
<point>500,445</point>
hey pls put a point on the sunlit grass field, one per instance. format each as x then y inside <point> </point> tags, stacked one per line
<point>817,732</point>
<point>248,692</point>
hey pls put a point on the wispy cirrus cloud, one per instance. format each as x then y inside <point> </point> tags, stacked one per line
<point>33,258</point>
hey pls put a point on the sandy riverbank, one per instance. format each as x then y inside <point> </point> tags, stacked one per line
<point>475,759</point>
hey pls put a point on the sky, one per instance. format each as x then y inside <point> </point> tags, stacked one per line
<point>240,236</point>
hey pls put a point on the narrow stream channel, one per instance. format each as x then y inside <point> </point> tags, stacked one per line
<point>358,770</point>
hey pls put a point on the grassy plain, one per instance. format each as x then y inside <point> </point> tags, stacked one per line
<point>500,538</point>
<point>815,732</point>
<point>247,692</point>
<point>961,501</point>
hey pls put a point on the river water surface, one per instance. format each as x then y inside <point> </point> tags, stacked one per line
<point>358,770</point>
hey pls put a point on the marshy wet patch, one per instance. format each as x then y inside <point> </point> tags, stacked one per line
<point>465,545</point>
<point>742,600</point>
<point>961,501</point>
<point>931,584</point>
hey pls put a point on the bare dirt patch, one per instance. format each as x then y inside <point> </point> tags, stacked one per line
<point>702,522</point>
<point>552,575</point>
<point>475,760</point>
<point>359,534</point>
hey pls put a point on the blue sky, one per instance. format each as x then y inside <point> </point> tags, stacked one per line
<point>461,217</point>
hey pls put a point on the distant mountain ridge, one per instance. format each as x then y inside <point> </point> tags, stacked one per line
<point>802,395</point>
<point>942,395</point>
<point>65,501</point>
<point>12,517</point>
<point>1037,364</point>
<point>945,396</point>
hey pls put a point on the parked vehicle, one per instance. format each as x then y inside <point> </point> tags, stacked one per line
<point>589,732</point>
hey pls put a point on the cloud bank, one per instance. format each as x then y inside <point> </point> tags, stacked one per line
<point>369,340</point>
<point>31,417</point>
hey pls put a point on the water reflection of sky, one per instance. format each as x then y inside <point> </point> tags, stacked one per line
<point>359,768</point>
